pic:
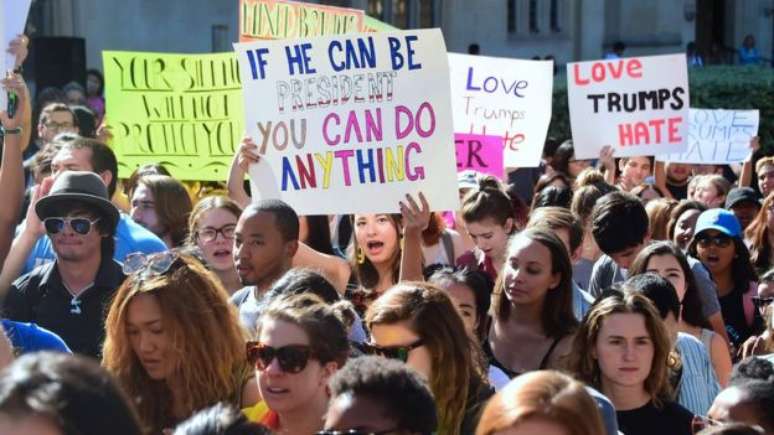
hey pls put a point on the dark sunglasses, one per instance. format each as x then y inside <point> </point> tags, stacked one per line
<point>55,225</point>
<point>391,352</point>
<point>761,303</point>
<point>719,241</point>
<point>354,432</point>
<point>292,358</point>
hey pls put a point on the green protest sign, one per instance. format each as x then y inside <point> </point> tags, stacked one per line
<point>184,111</point>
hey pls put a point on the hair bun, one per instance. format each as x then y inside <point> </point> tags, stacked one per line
<point>489,182</point>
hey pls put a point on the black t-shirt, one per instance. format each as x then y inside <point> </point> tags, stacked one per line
<point>732,307</point>
<point>671,419</point>
<point>678,192</point>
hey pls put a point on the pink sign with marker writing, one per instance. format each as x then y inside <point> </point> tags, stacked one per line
<point>480,153</point>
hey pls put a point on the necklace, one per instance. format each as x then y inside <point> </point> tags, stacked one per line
<point>75,302</point>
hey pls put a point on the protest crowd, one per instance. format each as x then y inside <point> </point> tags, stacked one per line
<point>355,279</point>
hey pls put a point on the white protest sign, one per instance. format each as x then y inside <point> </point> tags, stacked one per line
<point>638,105</point>
<point>717,137</point>
<point>12,22</point>
<point>504,97</point>
<point>351,124</point>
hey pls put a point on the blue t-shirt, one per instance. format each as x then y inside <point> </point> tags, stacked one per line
<point>29,337</point>
<point>130,237</point>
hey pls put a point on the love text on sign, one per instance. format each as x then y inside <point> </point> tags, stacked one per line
<point>717,137</point>
<point>510,98</point>
<point>638,105</point>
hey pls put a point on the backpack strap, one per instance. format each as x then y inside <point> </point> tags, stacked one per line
<point>448,246</point>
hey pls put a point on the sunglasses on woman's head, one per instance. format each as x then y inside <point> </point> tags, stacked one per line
<point>148,265</point>
<point>391,352</point>
<point>292,358</point>
<point>721,241</point>
<point>80,225</point>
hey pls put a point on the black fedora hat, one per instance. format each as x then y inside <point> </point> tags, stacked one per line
<point>77,186</point>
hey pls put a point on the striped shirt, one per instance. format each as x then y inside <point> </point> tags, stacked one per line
<point>698,384</point>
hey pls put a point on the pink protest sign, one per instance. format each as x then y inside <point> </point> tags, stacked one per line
<point>480,153</point>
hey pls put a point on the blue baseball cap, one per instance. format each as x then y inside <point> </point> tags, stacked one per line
<point>720,220</point>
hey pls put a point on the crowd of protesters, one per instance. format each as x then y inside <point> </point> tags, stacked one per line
<point>621,295</point>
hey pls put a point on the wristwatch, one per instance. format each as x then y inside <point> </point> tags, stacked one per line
<point>16,130</point>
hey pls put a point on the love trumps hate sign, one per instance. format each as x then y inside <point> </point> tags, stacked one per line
<point>717,137</point>
<point>351,124</point>
<point>638,105</point>
<point>180,110</point>
<point>510,98</point>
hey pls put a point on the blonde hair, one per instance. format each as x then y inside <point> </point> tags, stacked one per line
<point>545,395</point>
<point>766,161</point>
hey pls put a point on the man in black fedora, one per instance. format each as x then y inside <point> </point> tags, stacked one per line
<point>69,296</point>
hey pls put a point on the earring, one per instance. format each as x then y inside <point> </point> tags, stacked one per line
<point>402,243</point>
<point>359,255</point>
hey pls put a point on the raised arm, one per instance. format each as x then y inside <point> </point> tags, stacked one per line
<point>415,220</point>
<point>31,231</point>
<point>745,177</point>
<point>18,48</point>
<point>607,161</point>
<point>245,155</point>
<point>335,269</point>
<point>659,173</point>
<point>11,170</point>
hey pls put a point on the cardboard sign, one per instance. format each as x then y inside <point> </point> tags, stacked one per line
<point>351,124</point>
<point>480,153</point>
<point>13,18</point>
<point>638,105</point>
<point>717,137</point>
<point>505,97</point>
<point>283,19</point>
<point>181,110</point>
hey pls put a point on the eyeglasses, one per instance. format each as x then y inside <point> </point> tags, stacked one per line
<point>292,358</point>
<point>354,432</point>
<point>210,234</point>
<point>82,226</point>
<point>146,266</point>
<point>719,241</point>
<point>761,303</point>
<point>392,352</point>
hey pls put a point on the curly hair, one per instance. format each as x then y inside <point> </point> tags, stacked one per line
<point>402,392</point>
<point>207,342</point>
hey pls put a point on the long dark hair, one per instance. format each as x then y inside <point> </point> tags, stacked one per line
<point>432,316</point>
<point>691,304</point>
<point>365,271</point>
<point>557,317</point>
<point>319,233</point>
<point>742,270</point>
